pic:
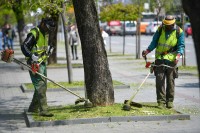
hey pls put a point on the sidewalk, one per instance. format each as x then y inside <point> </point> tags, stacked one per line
<point>13,101</point>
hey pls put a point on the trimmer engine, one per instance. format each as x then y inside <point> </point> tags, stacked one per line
<point>7,55</point>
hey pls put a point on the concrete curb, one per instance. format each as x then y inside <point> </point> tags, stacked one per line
<point>24,89</point>
<point>31,123</point>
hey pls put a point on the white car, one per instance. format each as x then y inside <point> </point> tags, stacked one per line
<point>152,27</point>
<point>130,28</point>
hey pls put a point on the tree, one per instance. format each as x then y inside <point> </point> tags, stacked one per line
<point>6,15</point>
<point>98,80</point>
<point>114,12</point>
<point>17,7</point>
<point>192,9</point>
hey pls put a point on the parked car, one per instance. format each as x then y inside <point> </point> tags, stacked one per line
<point>188,29</point>
<point>114,27</point>
<point>152,27</point>
<point>130,28</point>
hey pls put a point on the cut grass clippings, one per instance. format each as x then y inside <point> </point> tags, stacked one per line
<point>79,111</point>
<point>66,84</point>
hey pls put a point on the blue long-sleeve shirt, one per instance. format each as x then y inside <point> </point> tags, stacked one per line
<point>180,42</point>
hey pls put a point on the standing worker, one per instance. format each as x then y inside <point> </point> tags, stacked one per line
<point>169,43</point>
<point>35,48</point>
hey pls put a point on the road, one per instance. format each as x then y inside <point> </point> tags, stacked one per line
<point>130,41</point>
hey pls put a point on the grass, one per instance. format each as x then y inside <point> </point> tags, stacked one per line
<point>76,65</point>
<point>67,85</point>
<point>135,85</point>
<point>187,68</point>
<point>79,111</point>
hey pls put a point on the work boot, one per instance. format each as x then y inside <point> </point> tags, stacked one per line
<point>46,114</point>
<point>170,105</point>
<point>161,105</point>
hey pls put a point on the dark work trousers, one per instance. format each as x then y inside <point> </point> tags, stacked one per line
<point>40,84</point>
<point>165,75</point>
<point>74,51</point>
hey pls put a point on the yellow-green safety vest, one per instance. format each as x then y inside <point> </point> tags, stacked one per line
<point>165,45</point>
<point>41,46</point>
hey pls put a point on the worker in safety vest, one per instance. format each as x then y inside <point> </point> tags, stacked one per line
<point>35,48</point>
<point>169,44</point>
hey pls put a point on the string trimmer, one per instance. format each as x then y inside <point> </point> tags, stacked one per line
<point>151,65</point>
<point>129,103</point>
<point>8,56</point>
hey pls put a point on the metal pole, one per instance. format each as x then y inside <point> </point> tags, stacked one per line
<point>124,36</point>
<point>110,43</point>
<point>183,22</point>
<point>139,34</point>
<point>67,48</point>
<point>136,41</point>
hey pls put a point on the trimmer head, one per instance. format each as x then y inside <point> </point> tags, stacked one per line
<point>87,104</point>
<point>7,55</point>
<point>126,107</point>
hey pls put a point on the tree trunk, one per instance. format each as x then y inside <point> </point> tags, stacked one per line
<point>18,10</point>
<point>192,9</point>
<point>53,41</point>
<point>98,80</point>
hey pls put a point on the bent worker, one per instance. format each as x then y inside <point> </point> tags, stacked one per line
<point>35,49</point>
<point>169,43</point>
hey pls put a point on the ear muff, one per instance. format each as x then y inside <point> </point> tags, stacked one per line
<point>50,24</point>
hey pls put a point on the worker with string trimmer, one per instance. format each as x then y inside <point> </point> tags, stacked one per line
<point>169,44</point>
<point>35,48</point>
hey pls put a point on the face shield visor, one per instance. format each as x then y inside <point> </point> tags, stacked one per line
<point>50,25</point>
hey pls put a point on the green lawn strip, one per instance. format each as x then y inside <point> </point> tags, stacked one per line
<point>187,68</point>
<point>74,65</point>
<point>70,112</point>
<point>67,85</point>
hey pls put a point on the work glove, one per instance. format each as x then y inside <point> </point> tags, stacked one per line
<point>177,58</point>
<point>145,52</point>
<point>34,57</point>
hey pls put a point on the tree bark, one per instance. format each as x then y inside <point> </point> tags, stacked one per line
<point>192,9</point>
<point>53,41</point>
<point>18,10</point>
<point>98,80</point>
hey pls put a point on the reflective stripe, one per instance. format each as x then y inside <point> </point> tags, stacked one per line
<point>160,53</point>
<point>165,45</point>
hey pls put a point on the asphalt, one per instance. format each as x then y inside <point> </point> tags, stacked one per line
<point>123,68</point>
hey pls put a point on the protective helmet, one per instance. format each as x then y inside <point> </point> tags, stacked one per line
<point>169,20</point>
<point>49,23</point>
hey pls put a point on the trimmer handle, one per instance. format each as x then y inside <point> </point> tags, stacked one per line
<point>144,55</point>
